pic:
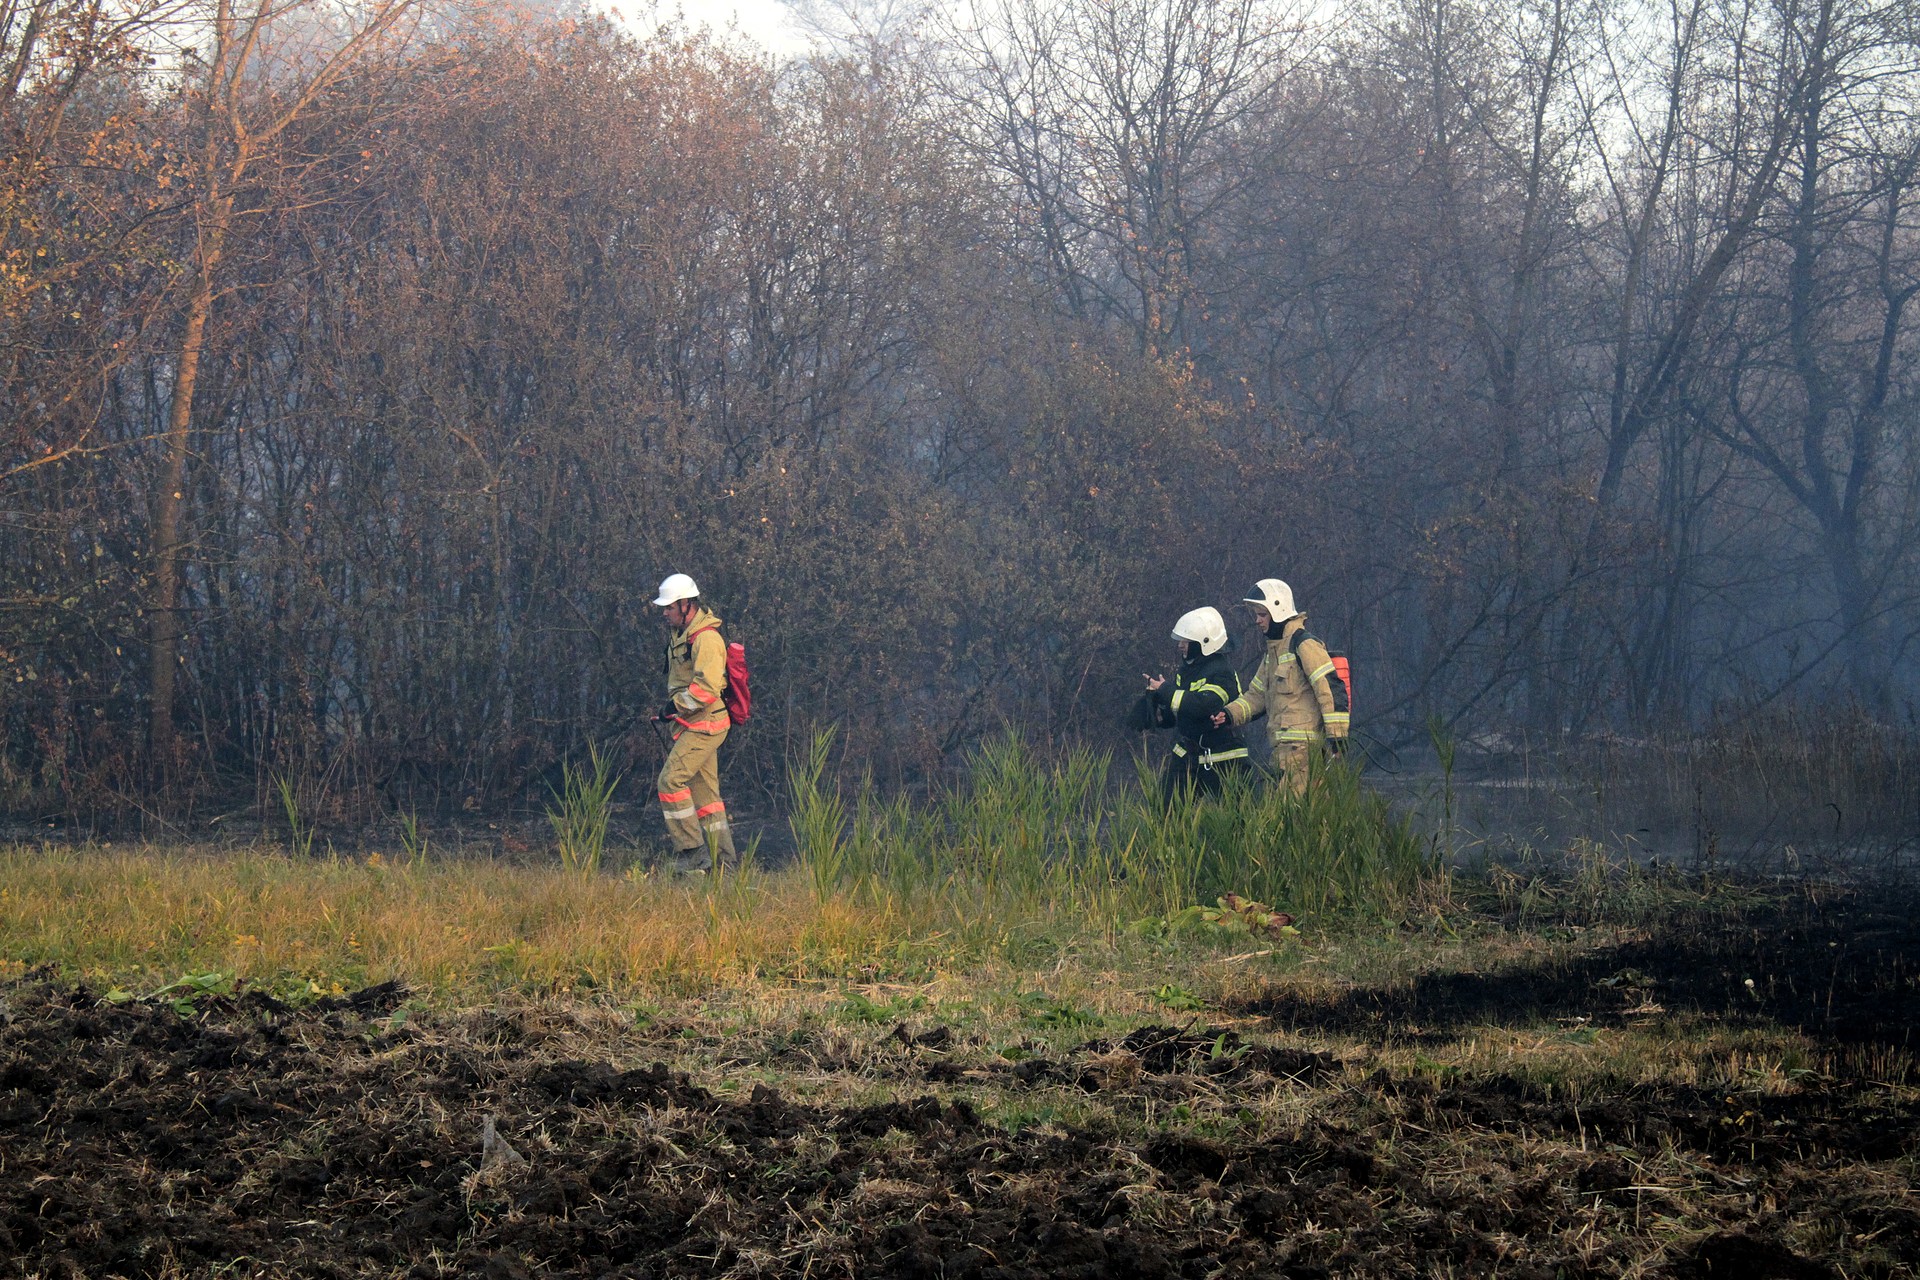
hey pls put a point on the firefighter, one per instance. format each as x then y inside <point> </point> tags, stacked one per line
<point>1205,750</point>
<point>1297,688</point>
<point>690,801</point>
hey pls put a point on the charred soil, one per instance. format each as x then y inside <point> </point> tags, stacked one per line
<point>352,1137</point>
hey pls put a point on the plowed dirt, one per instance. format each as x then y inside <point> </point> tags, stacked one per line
<point>244,1137</point>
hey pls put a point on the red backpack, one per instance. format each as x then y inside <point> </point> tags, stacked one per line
<point>1341,684</point>
<point>738,695</point>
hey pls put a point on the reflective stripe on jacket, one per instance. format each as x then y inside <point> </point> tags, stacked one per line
<point>1296,689</point>
<point>1187,703</point>
<point>697,674</point>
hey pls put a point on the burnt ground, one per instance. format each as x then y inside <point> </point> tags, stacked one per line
<point>239,1136</point>
<point>1840,964</point>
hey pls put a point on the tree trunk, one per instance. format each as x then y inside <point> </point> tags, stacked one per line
<point>170,499</point>
<point>1869,679</point>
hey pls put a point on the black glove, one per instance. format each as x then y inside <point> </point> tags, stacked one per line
<point>667,712</point>
<point>1336,746</point>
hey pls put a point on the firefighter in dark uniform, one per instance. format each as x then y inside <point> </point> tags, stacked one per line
<point>1203,753</point>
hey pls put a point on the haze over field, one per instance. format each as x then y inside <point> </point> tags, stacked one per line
<point>380,381</point>
<point>770,24</point>
<point>359,380</point>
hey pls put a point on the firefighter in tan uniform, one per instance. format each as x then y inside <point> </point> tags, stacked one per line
<point>1297,689</point>
<point>689,788</point>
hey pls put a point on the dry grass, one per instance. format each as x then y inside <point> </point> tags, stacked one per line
<point>458,930</point>
<point>765,957</point>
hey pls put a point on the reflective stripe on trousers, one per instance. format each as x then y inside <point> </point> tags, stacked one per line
<point>690,795</point>
<point>676,804</point>
<point>1208,759</point>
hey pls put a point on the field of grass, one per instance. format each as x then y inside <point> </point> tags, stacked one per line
<point>1036,1027</point>
<point>1027,864</point>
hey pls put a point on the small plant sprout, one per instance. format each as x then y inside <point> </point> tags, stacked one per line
<point>188,988</point>
<point>1174,996</point>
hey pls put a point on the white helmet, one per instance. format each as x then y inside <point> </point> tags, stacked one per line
<point>677,586</point>
<point>1275,596</point>
<point>1204,627</point>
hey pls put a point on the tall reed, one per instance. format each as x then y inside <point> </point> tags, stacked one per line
<point>584,807</point>
<point>1021,836</point>
<point>818,818</point>
<point>300,830</point>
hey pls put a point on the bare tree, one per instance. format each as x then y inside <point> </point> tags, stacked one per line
<point>254,70</point>
<point>1814,367</point>
<point>1110,120</point>
<point>63,215</point>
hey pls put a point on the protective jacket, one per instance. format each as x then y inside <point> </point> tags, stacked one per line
<point>1296,689</point>
<point>1187,703</point>
<point>696,817</point>
<point>697,675</point>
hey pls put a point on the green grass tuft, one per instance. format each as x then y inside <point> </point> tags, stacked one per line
<point>1022,838</point>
